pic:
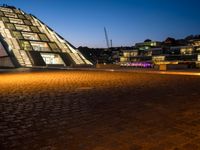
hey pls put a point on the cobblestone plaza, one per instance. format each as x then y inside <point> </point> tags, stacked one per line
<point>98,110</point>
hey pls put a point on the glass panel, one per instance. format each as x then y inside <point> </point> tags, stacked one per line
<point>2,31</point>
<point>35,23</point>
<point>43,37</point>
<point>10,26</point>
<point>4,19</point>
<point>8,34</point>
<point>34,29</point>
<point>22,27</point>
<point>15,43</point>
<point>30,36</point>
<point>25,58</point>
<point>186,51</point>
<point>6,9</point>
<point>28,17</point>
<point>52,59</point>
<point>25,45</point>
<point>21,16</point>
<point>17,11</point>
<point>78,58</point>
<point>1,13</point>
<point>7,14</point>
<point>40,46</point>
<point>54,46</point>
<point>74,58</point>
<point>13,20</point>
<point>2,25</point>
<point>27,22</point>
<point>17,34</point>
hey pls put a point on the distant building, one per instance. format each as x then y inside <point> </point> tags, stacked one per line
<point>26,41</point>
<point>150,54</point>
<point>147,45</point>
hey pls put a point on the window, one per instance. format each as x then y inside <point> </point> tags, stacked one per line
<point>54,46</point>
<point>21,16</point>
<point>30,36</point>
<point>17,34</point>
<point>34,29</point>
<point>26,58</point>
<point>1,13</point>
<point>17,11</point>
<point>18,21</point>
<point>196,43</point>
<point>28,17</point>
<point>5,9</point>
<point>43,37</point>
<point>40,46</point>
<point>22,27</point>
<point>52,58</point>
<point>2,26</point>
<point>5,19</point>
<point>27,22</point>
<point>7,14</point>
<point>158,58</point>
<point>187,50</point>
<point>25,45</point>
<point>10,26</point>
<point>35,23</point>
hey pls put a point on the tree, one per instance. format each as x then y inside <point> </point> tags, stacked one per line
<point>170,41</point>
<point>147,40</point>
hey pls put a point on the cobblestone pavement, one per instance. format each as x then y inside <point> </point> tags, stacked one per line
<point>97,110</point>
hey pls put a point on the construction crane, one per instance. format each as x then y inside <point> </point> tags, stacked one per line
<point>106,36</point>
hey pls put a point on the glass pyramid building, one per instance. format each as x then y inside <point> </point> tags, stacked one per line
<point>25,41</point>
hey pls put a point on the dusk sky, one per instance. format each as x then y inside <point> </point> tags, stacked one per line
<point>81,22</point>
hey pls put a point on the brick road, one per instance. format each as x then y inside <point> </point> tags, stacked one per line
<point>96,110</point>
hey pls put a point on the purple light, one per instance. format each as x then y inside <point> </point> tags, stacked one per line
<point>140,64</point>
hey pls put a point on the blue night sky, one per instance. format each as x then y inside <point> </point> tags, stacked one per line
<point>81,22</point>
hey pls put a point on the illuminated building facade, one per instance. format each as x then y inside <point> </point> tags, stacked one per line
<point>25,41</point>
<point>188,55</point>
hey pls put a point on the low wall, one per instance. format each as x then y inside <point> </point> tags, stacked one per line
<point>107,66</point>
<point>171,67</point>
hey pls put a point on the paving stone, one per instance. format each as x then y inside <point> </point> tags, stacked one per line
<point>97,110</point>
<point>190,146</point>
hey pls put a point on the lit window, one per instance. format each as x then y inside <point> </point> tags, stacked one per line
<point>17,11</point>
<point>7,14</point>
<point>10,26</point>
<point>186,51</point>
<point>158,58</point>
<point>4,19</point>
<point>25,45</point>
<point>52,58</point>
<point>22,27</point>
<point>28,17</point>
<point>1,13</point>
<point>15,44</point>
<point>34,29</point>
<point>21,16</point>
<point>5,9</point>
<point>126,54</point>
<point>30,36</point>
<point>43,37</point>
<point>13,20</point>
<point>17,34</point>
<point>27,22</point>
<point>40,46</point>
<point>35,23</point>
<point>2,26</point>
<point>54,46</point>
